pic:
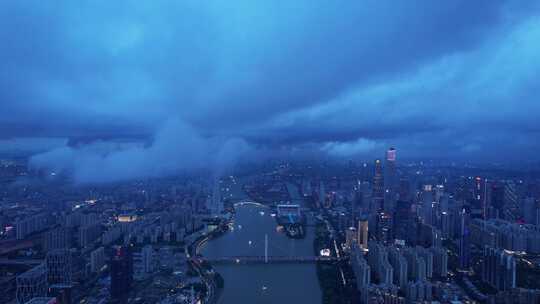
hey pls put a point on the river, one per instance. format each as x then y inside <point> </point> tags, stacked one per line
<point>264,283</point>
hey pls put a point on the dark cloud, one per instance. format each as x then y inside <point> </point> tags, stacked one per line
<point>340,77</point>
<point>176,147</point>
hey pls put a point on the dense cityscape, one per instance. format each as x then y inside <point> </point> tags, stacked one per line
<point>269,152</point>
<point>381,231</point>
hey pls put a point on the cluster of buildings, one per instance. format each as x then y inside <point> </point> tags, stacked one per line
<point>97,250</point>
<point>430,232</point>
<point>413,232</point>
<point>406,272</point>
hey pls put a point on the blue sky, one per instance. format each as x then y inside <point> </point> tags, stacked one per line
<point>345,78</point>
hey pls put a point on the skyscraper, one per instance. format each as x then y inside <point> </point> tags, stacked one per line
<point>121,273</point>
<point>403,222</point>
<point>378,186</point>
<point>384,227</point>
<point>363,234</point>
<point>511,205</point>
<point>390,183</point>
<point>497,199</point>
<point>464,244</point>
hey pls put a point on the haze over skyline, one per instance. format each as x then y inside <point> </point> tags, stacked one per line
<point>182,81</point>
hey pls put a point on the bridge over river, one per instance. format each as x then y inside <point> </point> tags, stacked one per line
<point>270,259</point>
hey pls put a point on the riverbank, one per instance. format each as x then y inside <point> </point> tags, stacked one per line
<point>328,273</point>
<point>213,280</point>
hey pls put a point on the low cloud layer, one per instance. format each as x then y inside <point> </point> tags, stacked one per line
<point>457,79</point>
<point>176,148</point>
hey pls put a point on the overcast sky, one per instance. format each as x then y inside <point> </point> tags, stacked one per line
<point>453,78</point>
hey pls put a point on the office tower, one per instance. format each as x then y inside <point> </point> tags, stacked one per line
<point>403,222</point>
<point>511,206</point>
<point>399,264</point>
<point>384,227</point>
<point>390,179</point>
<point>499,269</point>
<point>378,261</point>
<point>478,193</point>
<point>497,199</point>
<point>404,189</point>
<point>58,238</point>
<point>121,273</point>
<point>446,225</point>
<point>351,236</point>
<point>428,205</point>
<point>59,265</point>
<point>363,232</point>
<point>361,269</point>
<point>464,244</point>
<point>378,187</point>
<point>32,284</point>
<point>97,259</point>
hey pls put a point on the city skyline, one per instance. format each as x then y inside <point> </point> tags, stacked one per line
<point>94,91</point>
<point>305,151</point>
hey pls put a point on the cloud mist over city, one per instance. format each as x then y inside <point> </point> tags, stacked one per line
<point>131,89</point>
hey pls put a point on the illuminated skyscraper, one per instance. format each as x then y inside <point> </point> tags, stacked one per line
<point>390,182</point>
<point>390,169</point>
<point>378,186</point>
<point>384,227</point>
